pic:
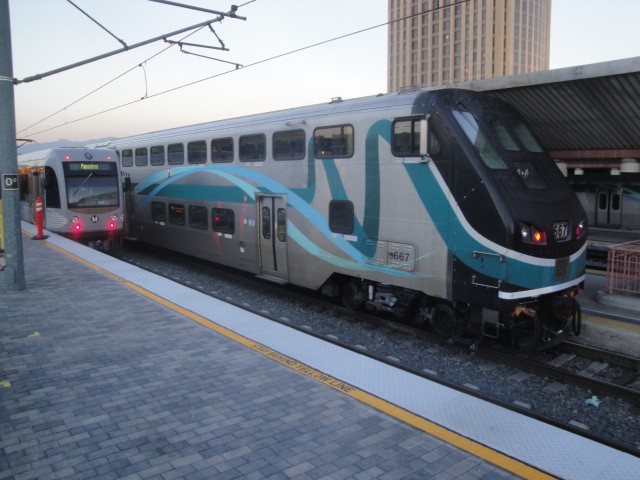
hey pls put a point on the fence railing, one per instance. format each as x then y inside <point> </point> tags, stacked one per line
<point>623,269</point>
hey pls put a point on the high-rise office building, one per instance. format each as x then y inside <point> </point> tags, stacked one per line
<point>443,42</point>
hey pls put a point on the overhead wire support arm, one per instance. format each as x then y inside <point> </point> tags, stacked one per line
<point>116,52</point>
<point>231,13</point>
<point>237,65</point>
<point>187,44</point>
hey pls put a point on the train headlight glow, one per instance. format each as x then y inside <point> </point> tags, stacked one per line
<point>533,235</point>
<point>76,225</point>
<point>581,229</point>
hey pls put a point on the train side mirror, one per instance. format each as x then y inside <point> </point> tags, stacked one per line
<point>424,137</point>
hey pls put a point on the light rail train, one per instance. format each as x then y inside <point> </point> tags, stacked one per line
<point>438,204</point>
<point>80,190</point>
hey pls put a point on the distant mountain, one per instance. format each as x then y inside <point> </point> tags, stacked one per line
<point>34,147</point>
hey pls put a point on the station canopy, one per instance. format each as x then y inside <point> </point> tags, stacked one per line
<point>578,113</point>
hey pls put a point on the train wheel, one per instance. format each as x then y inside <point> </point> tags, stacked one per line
<point>444,320</point>
<point>526,335</point>
<point>576,320</point>
<point>353,297</point>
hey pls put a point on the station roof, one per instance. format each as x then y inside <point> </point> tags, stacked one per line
<point>589,111</point>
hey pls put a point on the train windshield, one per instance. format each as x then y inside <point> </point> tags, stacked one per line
<point>91,184</point>
<point>513,149</point>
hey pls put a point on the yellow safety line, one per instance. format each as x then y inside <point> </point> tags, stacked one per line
<point>490,455</point>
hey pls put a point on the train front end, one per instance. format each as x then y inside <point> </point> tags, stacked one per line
<point>517,232</point>
<point>90,197</point>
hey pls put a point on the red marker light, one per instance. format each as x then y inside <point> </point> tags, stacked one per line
<point>539,237</point>
<point>77,227</point>
<point>67,157</point>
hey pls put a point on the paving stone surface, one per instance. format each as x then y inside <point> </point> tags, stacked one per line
<point>97,381</point>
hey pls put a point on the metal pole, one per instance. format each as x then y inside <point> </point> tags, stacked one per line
<point>14,269</point>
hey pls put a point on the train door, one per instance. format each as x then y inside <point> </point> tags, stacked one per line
<point>272,233</point>
<point>609,208</point>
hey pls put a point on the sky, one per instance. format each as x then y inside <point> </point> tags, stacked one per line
<point>124,94</point>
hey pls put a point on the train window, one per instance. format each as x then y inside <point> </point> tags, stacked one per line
<point>142,157</point>
<point>253,147</point>
<point>176,214</point>
<point>127,158</point>
<point>223,220</point>
<point>615,201</point>
<point>24,187</point>
<point>158,212</point>
<point>222,150</point>
<point>175,154</point>
<point>333,142</point>
<point>289,145</point>
<point>477,137</point>
<point>266,223</point>
<point>282,225</point>
<point>198,217</point>
<point>504,137</point>
<point>157,155</point>
<point>406,137</point>
<point>197,152</point>
<point>602,201</point>
<point>341,217</point>
<point>526,137</point>
<point>52,191</point>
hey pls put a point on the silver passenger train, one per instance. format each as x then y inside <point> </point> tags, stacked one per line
<point>438,204</point>
<point>80,190</point>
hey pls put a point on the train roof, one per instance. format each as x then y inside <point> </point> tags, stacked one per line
<point>58,152</point>
<point>289,117</point>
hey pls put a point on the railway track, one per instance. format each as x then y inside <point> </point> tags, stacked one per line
<point>558,368</point>
<point>385,339</point>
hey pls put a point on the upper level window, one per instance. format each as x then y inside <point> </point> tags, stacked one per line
<point>333,142</point>
<point>253,147</point>
<point>222,150</point>
<point>289,145</point>
<point>175,154</point>
<point>127,158</point>
<point>197,151</point>
<point>142,157</point>
<point>157,155</point>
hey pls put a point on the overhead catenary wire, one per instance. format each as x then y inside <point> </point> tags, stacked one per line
<point>256,63</point>
<point>95,90</point>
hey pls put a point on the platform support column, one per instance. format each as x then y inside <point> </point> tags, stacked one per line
<point>14,268</point>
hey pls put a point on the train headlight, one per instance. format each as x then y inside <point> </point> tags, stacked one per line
<point>581,229</point>
<point>76,226</point>
<point>113,223</point>
<point>533,235</point>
